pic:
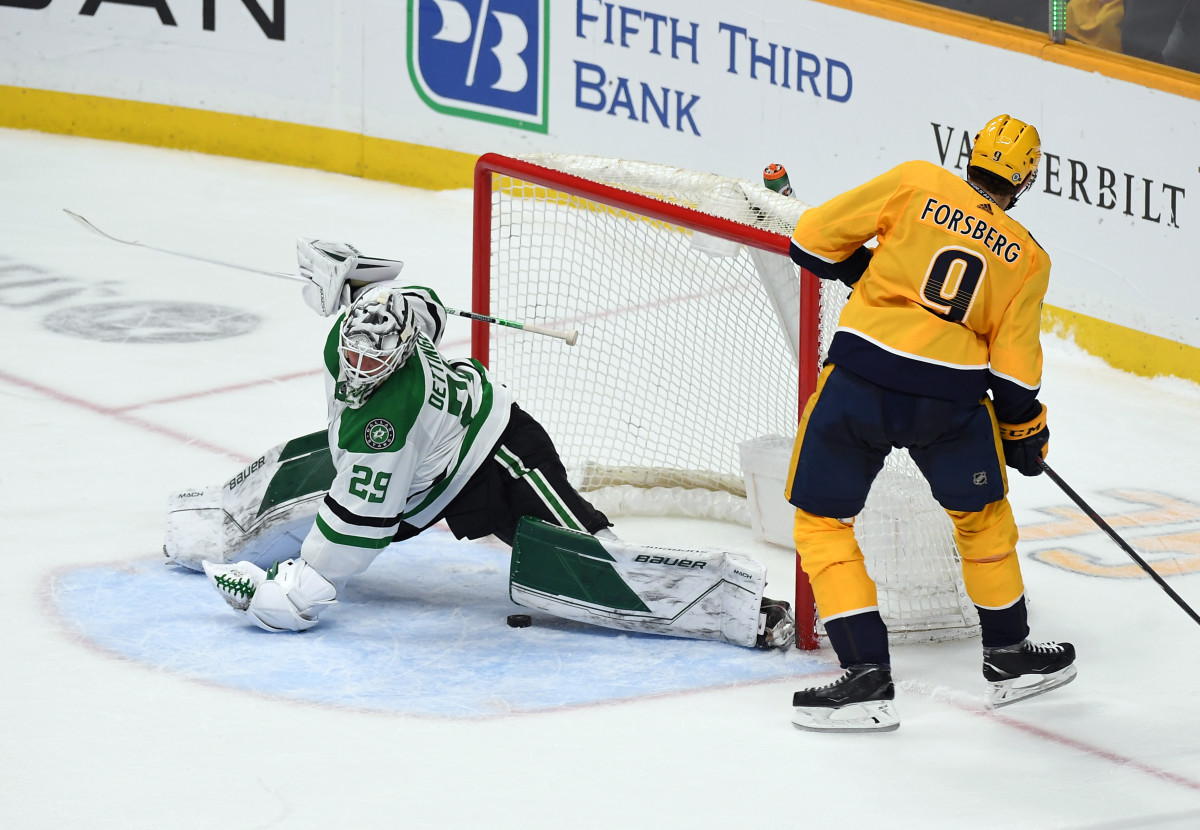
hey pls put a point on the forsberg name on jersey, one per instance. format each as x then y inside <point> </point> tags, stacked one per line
<point>958,221</point>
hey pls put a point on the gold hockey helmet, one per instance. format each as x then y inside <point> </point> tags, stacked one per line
<point>1009,148</point>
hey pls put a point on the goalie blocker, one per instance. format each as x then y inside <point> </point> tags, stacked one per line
<point>699,594</point>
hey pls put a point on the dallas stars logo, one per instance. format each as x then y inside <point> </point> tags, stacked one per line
<point>379,434</point>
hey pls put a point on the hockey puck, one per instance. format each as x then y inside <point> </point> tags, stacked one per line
<point>519,621</point>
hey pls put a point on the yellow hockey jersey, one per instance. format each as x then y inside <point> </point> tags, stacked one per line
<point>950,302</point>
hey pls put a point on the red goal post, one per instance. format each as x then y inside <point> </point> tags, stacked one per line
<point>692,317</point>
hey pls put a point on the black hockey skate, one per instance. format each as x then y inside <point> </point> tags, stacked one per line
<point>776,624</point>
<point>859,701</point>
<point>1053,665</point>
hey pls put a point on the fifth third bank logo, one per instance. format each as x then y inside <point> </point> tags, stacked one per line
<point>482,59</point>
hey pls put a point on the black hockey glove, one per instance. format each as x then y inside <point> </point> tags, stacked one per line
<point>1025,443</point>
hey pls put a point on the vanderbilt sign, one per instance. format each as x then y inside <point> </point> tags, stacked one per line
<point>1078,181</point>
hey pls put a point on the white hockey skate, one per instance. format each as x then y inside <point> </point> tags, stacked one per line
<point>861,700</point>
<point>1027,669</point>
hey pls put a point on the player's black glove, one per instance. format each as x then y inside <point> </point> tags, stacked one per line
<point>1025,443</point>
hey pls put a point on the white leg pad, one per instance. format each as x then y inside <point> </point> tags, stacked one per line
<point>260,515</point>
<point>703,594</point>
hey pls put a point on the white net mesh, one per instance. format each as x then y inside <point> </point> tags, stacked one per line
<point>688,347</point>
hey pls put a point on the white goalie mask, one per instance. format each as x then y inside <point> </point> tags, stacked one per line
<point>377,336</point>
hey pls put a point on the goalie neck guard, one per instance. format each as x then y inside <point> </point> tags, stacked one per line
<point>376,338</point>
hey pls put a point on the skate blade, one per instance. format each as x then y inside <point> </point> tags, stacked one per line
<point>875,716</point>
<point>1007,692</point>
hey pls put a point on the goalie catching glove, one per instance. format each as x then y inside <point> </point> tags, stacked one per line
<point>1025,443</point>
<point>335,270</point>
<point>287,597</point>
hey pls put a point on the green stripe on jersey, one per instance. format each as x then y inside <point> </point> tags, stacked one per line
<point>351,541</point>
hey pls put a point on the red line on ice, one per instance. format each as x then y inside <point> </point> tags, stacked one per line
<point>122,417</point>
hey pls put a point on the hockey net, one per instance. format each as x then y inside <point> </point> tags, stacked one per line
<point>697,335</point>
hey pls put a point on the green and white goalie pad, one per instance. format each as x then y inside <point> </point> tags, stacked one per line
<point>701,594</point>
<point>261,515</point>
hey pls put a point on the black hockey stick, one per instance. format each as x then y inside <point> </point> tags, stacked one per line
<point>569,337</point>
<point>1103,525</point>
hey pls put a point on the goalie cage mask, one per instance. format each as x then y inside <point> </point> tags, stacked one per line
<point>377,336</point>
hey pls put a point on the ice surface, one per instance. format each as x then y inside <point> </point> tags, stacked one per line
<point>134,699</point>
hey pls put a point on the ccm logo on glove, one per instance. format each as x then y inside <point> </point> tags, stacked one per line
<point>1025,443</point>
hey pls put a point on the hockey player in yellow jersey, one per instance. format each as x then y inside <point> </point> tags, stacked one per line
<point>937,351</point>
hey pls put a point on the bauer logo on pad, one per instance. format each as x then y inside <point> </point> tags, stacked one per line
<point>483,59</point>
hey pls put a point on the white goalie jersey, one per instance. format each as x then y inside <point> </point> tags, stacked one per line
<point>406,452</point>
<point>400,457</point>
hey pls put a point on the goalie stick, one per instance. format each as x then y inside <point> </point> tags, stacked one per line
<point>1112,534</point>
<point>233,265</point>
<point>568,337</point>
